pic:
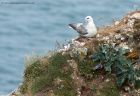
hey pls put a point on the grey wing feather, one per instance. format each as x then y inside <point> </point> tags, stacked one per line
<point>79,28</point>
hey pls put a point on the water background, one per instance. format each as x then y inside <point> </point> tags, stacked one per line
<point>34,26</point>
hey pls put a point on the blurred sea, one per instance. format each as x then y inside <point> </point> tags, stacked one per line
<point>34,26</point>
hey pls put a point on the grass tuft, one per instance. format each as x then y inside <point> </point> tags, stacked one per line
<point>43,76</point>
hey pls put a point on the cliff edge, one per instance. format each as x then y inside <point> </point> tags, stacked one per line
<point>106,65</point>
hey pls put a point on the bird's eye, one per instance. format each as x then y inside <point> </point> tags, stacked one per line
<point>87,18</point>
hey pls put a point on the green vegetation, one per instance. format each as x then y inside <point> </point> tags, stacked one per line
<point>114,61</point>
<point>54,75</point>
<point>94,88</point>
<point>95,66</point>
<point>85,68</point>
<point>32,71</point>
<point>108,89</point>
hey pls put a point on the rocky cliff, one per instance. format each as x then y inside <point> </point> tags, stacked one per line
<point>105,65</point>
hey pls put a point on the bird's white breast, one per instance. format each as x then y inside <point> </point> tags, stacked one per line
<point>91,29</point>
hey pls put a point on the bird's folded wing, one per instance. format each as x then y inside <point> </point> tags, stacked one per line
<point>79,28</point>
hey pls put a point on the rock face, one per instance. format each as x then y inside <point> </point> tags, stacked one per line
<point>105,65</point>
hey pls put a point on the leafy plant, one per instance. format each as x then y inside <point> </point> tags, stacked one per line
<point>114,61</point>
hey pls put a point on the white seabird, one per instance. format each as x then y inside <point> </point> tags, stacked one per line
<point>86,29</point>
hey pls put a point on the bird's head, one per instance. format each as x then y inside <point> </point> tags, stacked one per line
<point>88,19</point>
